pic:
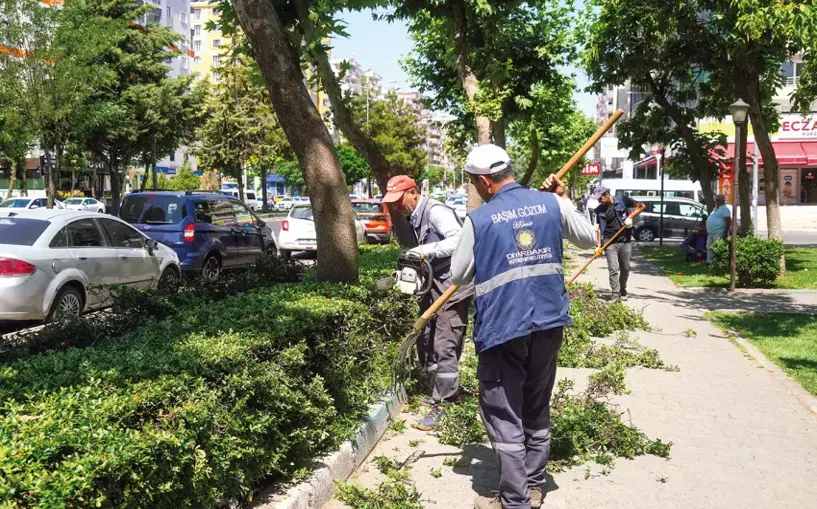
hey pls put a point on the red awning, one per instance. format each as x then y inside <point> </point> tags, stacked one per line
<point>789,153</point>
<point>647,161</point>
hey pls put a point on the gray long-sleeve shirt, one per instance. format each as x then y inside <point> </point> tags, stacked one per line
<point>443,220</point>
<point>575,228</point>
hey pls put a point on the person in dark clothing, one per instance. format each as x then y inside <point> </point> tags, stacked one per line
<point>695,246</point>
<point>612,214</point>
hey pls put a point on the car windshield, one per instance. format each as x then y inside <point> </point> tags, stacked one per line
<point>302,213</point>
<point>367,207</point>
<point>19,231</point>
<point>15,204</point>
<point>153,209</point>
<point>73,201</point>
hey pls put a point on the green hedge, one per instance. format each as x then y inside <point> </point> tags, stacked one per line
<point>199,407</point>
<point>757,263</point>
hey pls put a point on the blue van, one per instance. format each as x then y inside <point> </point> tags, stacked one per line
<point>208,230</point>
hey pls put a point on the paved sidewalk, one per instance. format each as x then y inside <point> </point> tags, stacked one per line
<point>741,440</point>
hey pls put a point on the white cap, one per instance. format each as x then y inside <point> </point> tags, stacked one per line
<point>487,159</point>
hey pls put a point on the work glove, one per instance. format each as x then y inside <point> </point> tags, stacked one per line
<point>628,223</point>
<point>599,252</point>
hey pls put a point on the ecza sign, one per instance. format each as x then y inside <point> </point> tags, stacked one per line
<point>795,126</point>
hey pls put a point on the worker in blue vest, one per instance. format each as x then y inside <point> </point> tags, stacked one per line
<point>511,248</point>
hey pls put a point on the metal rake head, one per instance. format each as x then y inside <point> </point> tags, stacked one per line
<point>399,371</point>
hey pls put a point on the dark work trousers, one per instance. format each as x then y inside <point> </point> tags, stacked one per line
<point>618,265</point>
<point>515,384</point>
<point>440,344</point>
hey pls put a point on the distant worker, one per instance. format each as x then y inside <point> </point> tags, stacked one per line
<point>436,228</point>
<point>718,225</point>
<point>612,215</point>
<point>695,245</point>
<point>511,248</point>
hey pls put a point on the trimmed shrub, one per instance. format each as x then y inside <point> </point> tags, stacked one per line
<point>757,263</point>
<point>193,407</point>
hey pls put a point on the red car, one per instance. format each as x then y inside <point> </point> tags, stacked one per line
<point>375,218</point>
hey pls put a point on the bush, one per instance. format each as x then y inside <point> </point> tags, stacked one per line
<point>191,407</point>
<point>757,263</point>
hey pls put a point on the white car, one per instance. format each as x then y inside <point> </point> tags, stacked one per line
<point>85,205</point>
<point>252,201</point>
<point>459,204</point>
<point>289,202</point>
<point>25,202</point>
<point>61,261</point>
<point>298,231</point>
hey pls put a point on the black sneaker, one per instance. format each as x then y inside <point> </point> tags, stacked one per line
<point>623,295</point>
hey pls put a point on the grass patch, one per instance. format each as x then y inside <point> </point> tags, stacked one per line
<point>788,340</point>
<point>801,264</point>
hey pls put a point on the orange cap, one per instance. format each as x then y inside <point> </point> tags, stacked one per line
<point>396,187</point>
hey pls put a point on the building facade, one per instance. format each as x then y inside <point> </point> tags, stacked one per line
<point>208,46</point>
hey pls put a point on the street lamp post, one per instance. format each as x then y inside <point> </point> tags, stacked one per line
<point>739,111</point>
<point>661,220</point>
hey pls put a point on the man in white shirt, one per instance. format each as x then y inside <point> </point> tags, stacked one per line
<point>437,229</point>
<point>718,225</point>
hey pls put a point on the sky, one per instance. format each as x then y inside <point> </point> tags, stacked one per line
<point>379,45</point>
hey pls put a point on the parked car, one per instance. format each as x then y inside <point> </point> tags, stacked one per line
<point>85,205</point>
<point>25,202</point>
<point>288,202</point>
<point>58,261</point>
<point>208,230</point>
<point>298,231</point>
<point>375,218</point>
<point>253,201</point>
<point>681,217</point>
<point>458,203</point>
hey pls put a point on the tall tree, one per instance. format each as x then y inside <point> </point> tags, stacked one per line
<point>277,54</point>
<point>16,138</point>
<point>130,116</point>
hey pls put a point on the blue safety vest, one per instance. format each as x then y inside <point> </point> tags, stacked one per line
<point>519,284</point>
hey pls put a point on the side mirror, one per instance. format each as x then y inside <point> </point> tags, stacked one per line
<point>35,207</point>
<point>151,246</point>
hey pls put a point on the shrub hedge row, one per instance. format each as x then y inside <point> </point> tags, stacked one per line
<point>195,408</point>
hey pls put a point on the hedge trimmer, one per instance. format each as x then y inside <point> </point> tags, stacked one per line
<point>401,360</point>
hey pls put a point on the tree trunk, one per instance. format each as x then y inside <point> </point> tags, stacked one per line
<point>340,116</point>
<point>770,166</point>
<point>534,157</point>
<point>12,177</point>
<point>498,128</point>
<point>309,138</point>
<point>116,185</point>
<point>263,170</point>
<point>469,84</point>
<point>744,198</point>
<point>240,179</point>
<point>51,192</point>
<point>21,165</point>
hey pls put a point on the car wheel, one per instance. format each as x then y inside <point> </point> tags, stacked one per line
<point>270,250</point>
<point>68,302</point>
<point>169,278</point>
<point>211,268</point>
<point>101,211</point>
<point>645,235</point>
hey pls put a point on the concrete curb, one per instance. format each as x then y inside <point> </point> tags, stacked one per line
<point>795,390</point>
<point>319,489</point>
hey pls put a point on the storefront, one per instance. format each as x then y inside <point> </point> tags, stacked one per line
<point>795,146</point>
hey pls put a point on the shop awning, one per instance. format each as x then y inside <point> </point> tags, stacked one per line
<point>274,179</point>
<point>788,153</point>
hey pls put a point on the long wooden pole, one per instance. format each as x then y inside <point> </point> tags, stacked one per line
<point>632,215</point>
<point>442,299</point>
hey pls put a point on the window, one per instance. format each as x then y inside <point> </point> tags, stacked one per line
<point>169,15</point>
<point>173,157</point>
<point>196,60</point>
<point>197,29</point>
<point>182,18</point>
<point>216,43</point>
<point>250,196</point>
<point>216,59</point>
<point>672,208</point>
<point>645,173</point>
<point>122,235</point>
<point>216,76</point>
<point>19,231</point>
<point>39,203</point>
<point>689,210</point>
<point>197,46</point>
<point>202,211</point>
<point>91,201</point>
<point>197,14</point>
<point>60,240</point>
<point>184,63</point>
<point>243,216</point>
<point>302,213</point>
<point>85,233</point>
<point>221,212</point>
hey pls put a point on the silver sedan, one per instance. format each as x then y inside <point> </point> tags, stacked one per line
<point>60,261</point>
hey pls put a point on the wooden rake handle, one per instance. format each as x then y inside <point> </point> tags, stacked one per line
<point>442,299</point>
<point>633,215</point>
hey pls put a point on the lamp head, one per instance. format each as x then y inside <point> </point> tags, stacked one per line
<point>739,110</point>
